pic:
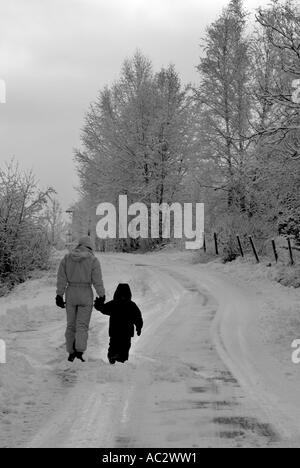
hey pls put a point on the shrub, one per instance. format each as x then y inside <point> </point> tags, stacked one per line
<point>24,245</point>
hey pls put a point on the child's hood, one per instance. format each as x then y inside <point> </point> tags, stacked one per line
<point>123,292</point>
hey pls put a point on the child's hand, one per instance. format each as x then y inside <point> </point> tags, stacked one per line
<point>99,301</point>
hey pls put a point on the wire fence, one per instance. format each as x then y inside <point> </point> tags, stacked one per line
<point>246,245</point>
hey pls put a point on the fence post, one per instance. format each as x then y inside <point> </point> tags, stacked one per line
<point>204,243</point>
<point>216,243</point>
<point>240,245</point>
<point>275,250</point>
<point>291,251</point>
<point>254,249</point>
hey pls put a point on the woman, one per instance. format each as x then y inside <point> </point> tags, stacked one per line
<point>78,272</point>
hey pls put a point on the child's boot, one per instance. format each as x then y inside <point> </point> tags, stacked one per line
<point>72,356</point>
<point>79,356</point>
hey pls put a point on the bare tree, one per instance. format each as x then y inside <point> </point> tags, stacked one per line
<point>23,240</point>
<point>280,31</point>
<point>54,220</point>
<point>224,102</point>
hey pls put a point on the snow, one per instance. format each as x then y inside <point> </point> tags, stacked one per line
<point>269,322</point>
<point>212,367</point>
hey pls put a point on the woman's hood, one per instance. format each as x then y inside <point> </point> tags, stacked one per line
<point>80,253</point>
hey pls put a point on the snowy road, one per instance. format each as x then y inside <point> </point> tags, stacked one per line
<point>189,383</point>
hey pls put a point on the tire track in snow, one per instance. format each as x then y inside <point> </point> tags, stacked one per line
<point>227,415</point>
<point>86,405</point>
<point>176,391</point>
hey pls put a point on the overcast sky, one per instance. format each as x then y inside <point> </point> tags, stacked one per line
<point>56,54</point>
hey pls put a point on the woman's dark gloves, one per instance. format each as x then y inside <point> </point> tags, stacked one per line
<point>60,302</point>
<point>98,303</point>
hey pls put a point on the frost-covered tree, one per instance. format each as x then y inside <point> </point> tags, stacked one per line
<point>246,165</point>
<point>280,32</point>
<point>276,65</point>
<point>224,103</point>
<point>136,137</point>
<point>23,236</point>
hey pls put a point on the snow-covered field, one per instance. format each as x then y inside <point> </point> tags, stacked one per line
<point>211,369</point>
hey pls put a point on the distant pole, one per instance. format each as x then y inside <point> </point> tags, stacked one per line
<point>240,245</point>
<point>290,251</point>
<point>216,243</point>
<point>254,249</point>
<point>275,250</point>
<point>204,243</point>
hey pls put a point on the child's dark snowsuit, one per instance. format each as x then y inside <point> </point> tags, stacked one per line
<point>124,316</point>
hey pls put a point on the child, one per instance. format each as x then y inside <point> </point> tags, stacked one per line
<point>124,316</point>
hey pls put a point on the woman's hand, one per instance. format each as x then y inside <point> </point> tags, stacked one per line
<point>60,302</point>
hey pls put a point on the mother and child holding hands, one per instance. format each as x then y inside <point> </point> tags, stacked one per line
<point>78,271</point>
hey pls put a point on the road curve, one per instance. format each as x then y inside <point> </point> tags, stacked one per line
<point>179,389</point>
